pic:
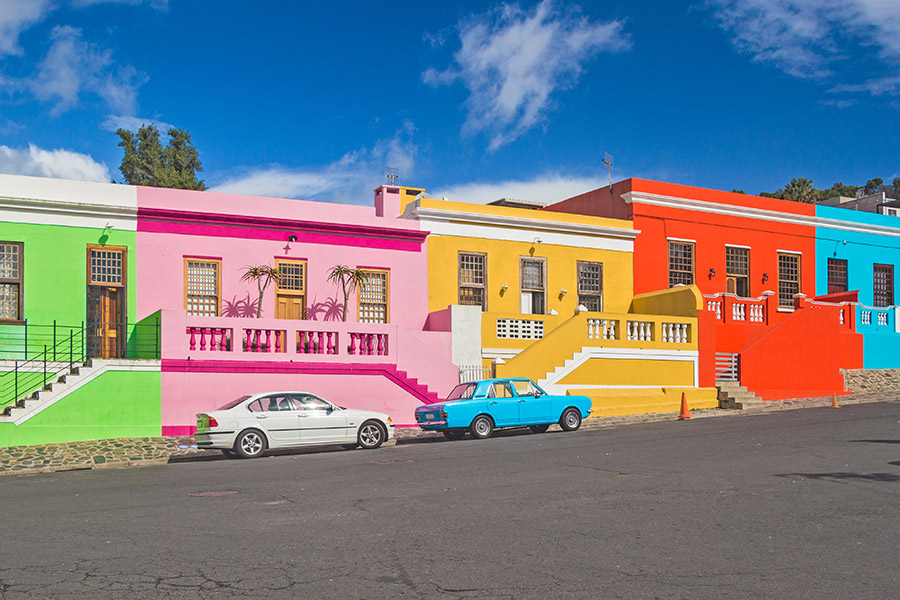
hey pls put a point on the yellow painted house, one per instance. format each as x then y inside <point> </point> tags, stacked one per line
<point>549,296</point>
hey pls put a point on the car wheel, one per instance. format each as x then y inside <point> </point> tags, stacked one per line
<point>454,434</point>
<point>349,446</point>
<point>371,435</point>
<point>570,420</point>
<point>539,428</point>
<point>482,427</point>
<point>250,444</point>
<point>229,453</point>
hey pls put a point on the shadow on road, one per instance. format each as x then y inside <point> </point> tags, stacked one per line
<point>877,441</point>
<point>845,476</point>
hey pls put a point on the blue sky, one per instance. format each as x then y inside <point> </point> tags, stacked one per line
<point>472,100</point>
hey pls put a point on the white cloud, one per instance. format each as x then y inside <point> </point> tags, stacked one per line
<point>812,38</point>
<point>15,17</point>
<point>545,189</point>
<point>62,164</point>
<point>512,61</point>
<point>73,66</point>
<point>350,179</point>
<point>114,122</point>
<point>157,4</point>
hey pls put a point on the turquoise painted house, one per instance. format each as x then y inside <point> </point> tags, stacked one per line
<point>859,252</point>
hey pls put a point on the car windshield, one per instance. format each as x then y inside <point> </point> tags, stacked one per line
<point>233,403</point>
<point>462,391</point>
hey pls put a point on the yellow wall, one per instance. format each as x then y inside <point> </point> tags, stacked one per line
<point>503,268</point>
<point>624,371</point>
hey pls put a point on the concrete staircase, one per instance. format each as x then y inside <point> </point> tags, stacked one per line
<point>65,381</point>
<point>733,395</point>
<point>415,387</point>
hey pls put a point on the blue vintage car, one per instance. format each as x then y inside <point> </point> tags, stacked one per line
<point>479,407</point>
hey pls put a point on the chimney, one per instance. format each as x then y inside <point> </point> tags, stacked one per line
<point>387,201</point>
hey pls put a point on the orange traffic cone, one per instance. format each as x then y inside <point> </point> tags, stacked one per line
<point>684,409</point>
<point>834,402</point>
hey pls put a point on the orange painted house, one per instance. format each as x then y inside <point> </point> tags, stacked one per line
<point>753,259</point>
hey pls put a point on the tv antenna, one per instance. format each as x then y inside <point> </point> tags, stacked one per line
<point>608,163</point>
<point>392,174</point>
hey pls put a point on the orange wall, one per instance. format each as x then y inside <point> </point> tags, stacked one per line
<point>776,366</point>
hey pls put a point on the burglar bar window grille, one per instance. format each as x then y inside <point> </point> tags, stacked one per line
<point>788,279</point>
<point>837,275</point>
<point>884,285</point>
<point>590,285</point>
<point>106,267</point>
<point>373,298</point>
<point>202,287</point>
<point>681,263</point>
<point>10,281</point>
<point>737,271</point>
<point>473,279</point>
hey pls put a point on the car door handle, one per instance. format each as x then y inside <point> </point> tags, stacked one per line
<point>261,416</point>
<point>492,403</point>
<point>302,416</point>
<point>520,401</point>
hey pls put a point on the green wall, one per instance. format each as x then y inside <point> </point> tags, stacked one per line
<point>55,274</point>
<point>115,404</point>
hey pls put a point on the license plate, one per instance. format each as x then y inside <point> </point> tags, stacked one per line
<point>429,416</point>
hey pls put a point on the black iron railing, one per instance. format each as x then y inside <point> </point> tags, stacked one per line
<point>34,356</point>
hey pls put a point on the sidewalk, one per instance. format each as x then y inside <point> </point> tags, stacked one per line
<point>138,452</point>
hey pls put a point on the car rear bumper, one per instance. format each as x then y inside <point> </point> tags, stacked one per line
<point>215,439</point>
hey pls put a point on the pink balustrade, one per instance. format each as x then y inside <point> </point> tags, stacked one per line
<point>209,339</point>
<point>264,340</point>
<point>368,344</point>
<point>317,342</point>
<point>275,339</point>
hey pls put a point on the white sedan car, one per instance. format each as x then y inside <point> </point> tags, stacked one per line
<point>249,425</point>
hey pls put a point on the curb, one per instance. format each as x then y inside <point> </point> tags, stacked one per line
<point>171,453</point>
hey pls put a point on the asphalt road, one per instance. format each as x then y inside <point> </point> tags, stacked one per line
<point>797,504</point>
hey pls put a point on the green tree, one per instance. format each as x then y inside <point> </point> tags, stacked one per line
<point>800,189</point>
<point>263,275</point>
<point>895,191</point>
<point>839,189</point>
<point>147,162</point>
<point>873,186</point>
<point>348,279</point>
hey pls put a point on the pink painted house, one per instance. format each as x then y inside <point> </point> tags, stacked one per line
<point>192,249</point>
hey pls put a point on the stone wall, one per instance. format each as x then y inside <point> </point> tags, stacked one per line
<point>862,381</point>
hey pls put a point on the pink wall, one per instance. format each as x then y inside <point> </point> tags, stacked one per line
<point>249,230</point>
<point>187,393</point>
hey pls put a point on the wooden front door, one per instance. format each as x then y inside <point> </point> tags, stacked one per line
<point>290,292</point>
<point>106,308</point>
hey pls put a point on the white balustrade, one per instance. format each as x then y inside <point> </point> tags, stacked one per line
<point>883,318</point>
<point>866,317</point>
<point>601,329</point>
<point>675,333</point>
<point>715,305</point>
<point>641,331</point>
<point>738,312</point>
<point>757,313</point>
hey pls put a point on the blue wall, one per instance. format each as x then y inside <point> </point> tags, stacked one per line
<point>862,250</point>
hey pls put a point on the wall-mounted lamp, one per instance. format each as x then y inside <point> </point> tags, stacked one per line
<point>537,241</point>
<point>712,273</point>
<point>292,238</point>
<point>563,292</point>
<point>504,287</point>
<point>765,277</point>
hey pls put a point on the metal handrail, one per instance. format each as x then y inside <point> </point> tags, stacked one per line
<point>47,351</point>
